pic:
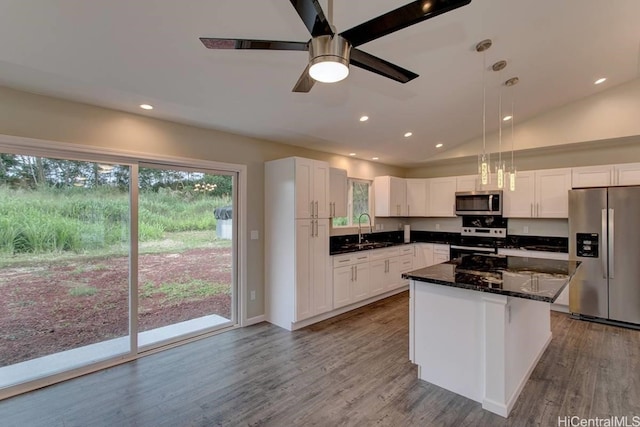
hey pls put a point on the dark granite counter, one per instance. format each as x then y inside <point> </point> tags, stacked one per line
<point>349,243</point>
<point>537,243</point>
<point>529,278</point>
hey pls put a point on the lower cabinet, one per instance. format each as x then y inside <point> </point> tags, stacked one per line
<point>440,253</point>
<point>351,278</point>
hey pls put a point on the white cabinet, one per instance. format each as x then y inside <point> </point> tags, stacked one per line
<point>423,255</point>
<point>383,270</point>
<point>442,196</point>
<point>337,192</point>
<point>405,265</point>
<point>312,295</point>
<point>441,253</point>
<point>562,303</point>
<point>297,263</point>
<point>467,183</point>
<point>350,278</point>
<point>539,194</point>
<point>311,187</point>
<point>417,190</point>
<point>606,175</point>
<point>390,196</point>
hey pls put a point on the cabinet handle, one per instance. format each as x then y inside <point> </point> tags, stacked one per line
<point>537,210</point>
<point>352,273</point>
<point>531,210</point>
<point>408,210</point>
<point>316,209</point>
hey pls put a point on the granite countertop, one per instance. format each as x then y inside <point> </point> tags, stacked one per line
<point>529,278</point>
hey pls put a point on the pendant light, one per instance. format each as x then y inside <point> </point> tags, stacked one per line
<point>483,161</point>
<point>512,171</point>
<point>500,168</point>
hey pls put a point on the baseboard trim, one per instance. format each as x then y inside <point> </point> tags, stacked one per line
<point>253,320</point>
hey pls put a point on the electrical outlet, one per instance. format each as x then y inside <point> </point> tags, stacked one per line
<point>525,230</point>
<point>254,235</point>
<point>253,295</point>
<point>437,227</point>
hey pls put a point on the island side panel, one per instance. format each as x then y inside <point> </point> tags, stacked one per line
<point>447,338</point>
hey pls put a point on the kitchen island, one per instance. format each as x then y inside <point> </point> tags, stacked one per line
<point>479,324</point>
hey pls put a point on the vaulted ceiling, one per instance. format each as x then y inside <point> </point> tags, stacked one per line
<point>122,53</point>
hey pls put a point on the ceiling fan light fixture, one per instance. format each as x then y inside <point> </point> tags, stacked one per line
<point>329,58</point>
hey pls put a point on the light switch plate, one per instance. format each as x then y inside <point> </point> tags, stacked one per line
<point>254,234</point>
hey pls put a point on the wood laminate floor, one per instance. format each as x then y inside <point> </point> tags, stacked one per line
<point>351,370</point>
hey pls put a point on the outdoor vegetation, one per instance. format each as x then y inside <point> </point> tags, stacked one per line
<point>64,251</point>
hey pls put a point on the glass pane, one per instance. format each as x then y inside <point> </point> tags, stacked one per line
<point>64,265</point>
<point>360,199</point>
<point>185,281</point>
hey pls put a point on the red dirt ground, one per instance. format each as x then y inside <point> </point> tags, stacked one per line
<point>60,306</point>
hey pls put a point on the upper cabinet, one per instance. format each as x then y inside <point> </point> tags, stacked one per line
<point>417,191</point>
<point>539,194</point>
<point>442,196</point>
<point>467,183</point>
<point>337,192</point>
<point>390,196</point>
<point>606,175</point>
<point>312,188</point>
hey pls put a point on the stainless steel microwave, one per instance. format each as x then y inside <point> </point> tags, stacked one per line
<point>479,202</point>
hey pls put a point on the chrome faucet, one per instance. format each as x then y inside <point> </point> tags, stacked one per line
<point>360,226</point>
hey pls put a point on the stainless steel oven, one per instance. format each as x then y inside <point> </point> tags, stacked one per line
<point>479,203</point>
<point>480,235</point>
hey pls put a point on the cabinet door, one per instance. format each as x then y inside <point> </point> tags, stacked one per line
<point>442,196</point>
<point>321,189</point>
<point>628,174</point>
<point>519,203</point>
<point>378,274</point>
<point>394,278</point>
<point>416,197</point>
<point>304,190</point>
<point>439,258</point>
<point>304,260</point>
<point>591,176</point>
<point>427,253</point>
<point>552,193</point>
<point>338,192</point>
<point>466,183</point>
<point>382,193</point>
<point>398,197</point>
<point>360,284</point>
<point>342,282</point>
<point>322,290</point>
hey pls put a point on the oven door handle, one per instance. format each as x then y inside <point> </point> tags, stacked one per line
<point>468,248</point>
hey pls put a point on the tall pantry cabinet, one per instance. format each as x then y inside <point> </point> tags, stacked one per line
<point>297,261</point>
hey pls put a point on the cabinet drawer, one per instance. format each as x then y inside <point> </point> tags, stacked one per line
<point>406,263</point>
<point>406,250</point>
<point>377,254</point>
<point>350,259</point>
<point>441,249</point>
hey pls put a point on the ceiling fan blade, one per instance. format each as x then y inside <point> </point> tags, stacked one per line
<point>304,83</point>
<point>380,66</point>
<point>399,18</point>
<point>313,17</point>
<point>213,43</point>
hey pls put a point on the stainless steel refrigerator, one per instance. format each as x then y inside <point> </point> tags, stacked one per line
<point>604,225</point>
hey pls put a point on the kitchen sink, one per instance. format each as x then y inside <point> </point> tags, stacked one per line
<point>366,245</point>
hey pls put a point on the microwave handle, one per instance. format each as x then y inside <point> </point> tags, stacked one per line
<point>490,202</point>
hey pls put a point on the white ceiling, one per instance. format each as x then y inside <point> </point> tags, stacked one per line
<point>121,53</point>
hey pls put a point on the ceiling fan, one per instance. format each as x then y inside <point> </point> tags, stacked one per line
<point>330,54</point>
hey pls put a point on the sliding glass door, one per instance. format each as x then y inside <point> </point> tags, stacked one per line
<point>100,261</point>
<point>186,229</point>
<point>64,265</point>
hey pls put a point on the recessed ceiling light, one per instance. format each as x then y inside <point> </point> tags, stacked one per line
<point>439,145</point>
<point>146,106</point>
<point>364,118</point>
<point>408,134</point>
<point>600,80</point>
<point>507,118</point>
<point>375,158</point>
<point>352,154</point>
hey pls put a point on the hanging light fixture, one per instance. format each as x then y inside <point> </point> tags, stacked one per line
<point>483,160</point>
<point>512,171</point>
<point>500,168</point>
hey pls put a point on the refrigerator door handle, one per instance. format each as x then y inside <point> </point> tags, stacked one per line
<point>605,254</point>
<point>610,244</point>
